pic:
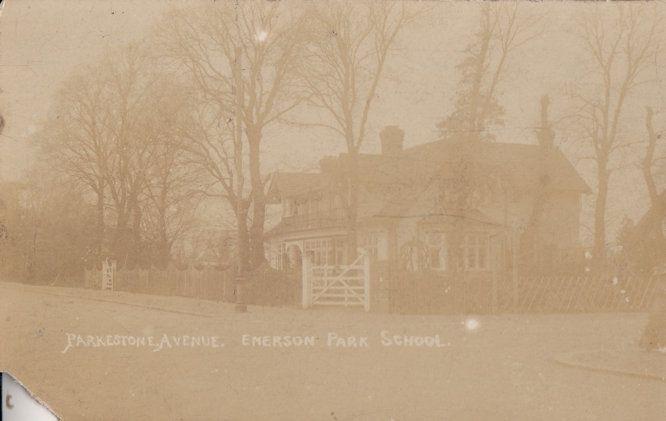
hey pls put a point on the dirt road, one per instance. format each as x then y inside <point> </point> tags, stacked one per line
<point>487,368</point>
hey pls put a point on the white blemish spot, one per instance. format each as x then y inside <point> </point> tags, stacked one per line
<point>262,36</point>
<point>471,324</point>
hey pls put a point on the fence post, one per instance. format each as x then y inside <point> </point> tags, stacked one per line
<point>241,306</point>
<point>306,282</point>
<point>107,274</point>
<point>366,280</point>
<point>514,269</point>
<point>494,298</point>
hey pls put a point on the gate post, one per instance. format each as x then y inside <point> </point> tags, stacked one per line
<point>306,287</point>
<point>108,272</point>
<point>366,280</point>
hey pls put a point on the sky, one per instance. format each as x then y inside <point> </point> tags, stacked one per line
<point>43,41</point>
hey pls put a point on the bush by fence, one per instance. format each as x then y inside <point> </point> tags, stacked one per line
<point>267,286</point>
<point>262,287</point>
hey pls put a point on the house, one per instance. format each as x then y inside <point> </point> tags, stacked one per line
<point>461,207</point>
<point>643,245</point>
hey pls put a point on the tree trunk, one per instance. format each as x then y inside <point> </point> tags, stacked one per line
<point>599,250</point>
<point>256,240</point>
<point>164,245</point>
<point>243,240</point>
<point>164,251</point>
<point>352,207</point>
<point>100,222</point>
<point>137,249</point>
<point>657,202</point>
<point>475,116</point>
<point>118,245</point>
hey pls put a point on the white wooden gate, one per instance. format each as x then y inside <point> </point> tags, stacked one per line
<point>339,285</point>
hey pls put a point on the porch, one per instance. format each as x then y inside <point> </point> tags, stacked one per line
<point>429,275</point>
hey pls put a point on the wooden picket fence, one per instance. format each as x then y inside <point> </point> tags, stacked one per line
<point>264,287</point>
<point>409,293</point>
<point>430,294</point>
<point>585,294</point>
<point>206,284</point>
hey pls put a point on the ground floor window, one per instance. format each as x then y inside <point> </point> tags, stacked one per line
<point>435,242</point>
<point>475,251</point>
<point>374,243</point>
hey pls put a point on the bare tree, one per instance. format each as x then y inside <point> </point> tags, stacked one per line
<point>531,244</point>
<point>241,60</point>
<point>114,126</point>
<point>75,142</point>
<point>343,66</point>
<point>650,230</point>
<point>643,243</point>
<point>169,200</point>
<point>620,49</point>
<point>152,192</point>
<point>130,82</point>
<point>649,164</point>
<point>503,29</point>
<point>52,238</point>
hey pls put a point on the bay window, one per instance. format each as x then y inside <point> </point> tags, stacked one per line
<point>436,250</point>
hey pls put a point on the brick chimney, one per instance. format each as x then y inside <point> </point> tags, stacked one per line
<point>391,138</point>
<point>545,134</point>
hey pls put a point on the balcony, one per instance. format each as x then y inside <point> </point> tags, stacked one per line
<point>333,219</point>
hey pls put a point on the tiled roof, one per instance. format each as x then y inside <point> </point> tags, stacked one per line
<point>523,163</point>
<point>288,184</point>
<point>399,180</point>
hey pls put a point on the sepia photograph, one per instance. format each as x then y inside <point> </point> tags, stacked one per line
<point>333,210</point>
